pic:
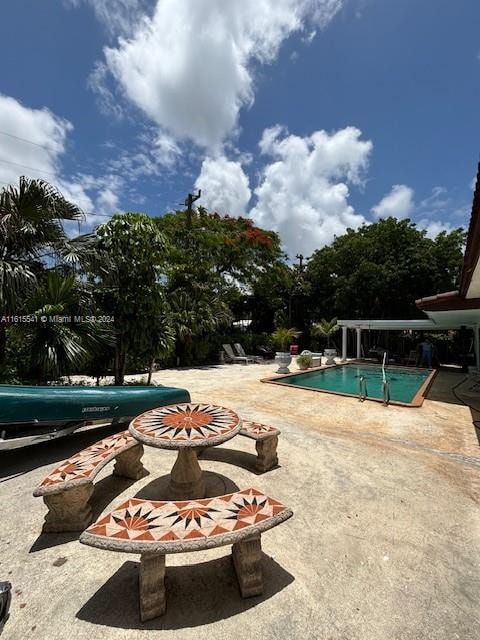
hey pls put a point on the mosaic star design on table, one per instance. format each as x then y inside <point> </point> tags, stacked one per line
<point>151,521</point>
<point>83,465</point>
<point>189,422</point>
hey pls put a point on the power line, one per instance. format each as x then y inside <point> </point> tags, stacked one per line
<point>10,135</point>
<point>16,164</point>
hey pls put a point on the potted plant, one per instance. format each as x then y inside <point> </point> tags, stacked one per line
<point>282,338</point>
<point>326,329</point>
<point>304,361</point>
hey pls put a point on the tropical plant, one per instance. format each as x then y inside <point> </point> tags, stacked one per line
<point>304,361</point>
<point>32,216</point>
<point>326,329</point>
<point>282,337</point>
<point>132,255</point>
<point>162,340</point>
<point>194,313</point>
<point>60,338</point>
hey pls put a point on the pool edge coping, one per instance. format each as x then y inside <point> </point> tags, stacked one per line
<point>417,400</point>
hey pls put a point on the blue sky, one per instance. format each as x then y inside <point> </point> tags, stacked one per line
<point>307,115</point>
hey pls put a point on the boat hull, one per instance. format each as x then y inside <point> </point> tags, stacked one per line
<point>30,414</point>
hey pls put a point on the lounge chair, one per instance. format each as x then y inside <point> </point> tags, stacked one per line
<point>231,357</point>
<point>242,354</point>
<point>266,352</point>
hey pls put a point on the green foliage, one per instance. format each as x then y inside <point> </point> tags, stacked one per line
<point>380,270</point>
<point>31,227</point>
<point>195,313</point>
<point>325,328</point>
<point>173,284</point>
<point>282,337</point>
<point>304,361</point>
<point>57,342</point>
<point>132,255</point>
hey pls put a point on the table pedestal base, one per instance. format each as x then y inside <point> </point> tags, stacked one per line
<point>186,478</point>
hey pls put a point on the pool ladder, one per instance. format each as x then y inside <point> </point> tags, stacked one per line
<point>364,393</point>
<point>363,388</point>
<point>386,392</point>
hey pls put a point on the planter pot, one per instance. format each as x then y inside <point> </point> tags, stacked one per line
<point>330,354</point>
<point>283,359</point>
<point>303,367</point>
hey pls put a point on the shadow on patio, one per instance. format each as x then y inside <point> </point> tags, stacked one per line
<point>197,594</point>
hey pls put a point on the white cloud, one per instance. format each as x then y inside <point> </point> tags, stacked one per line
<point>165,150</point>
<point>399,203</point>
<point>190,66</point>
<point>37,138</point>
<point>225,186</point>
<point>34,142</point>
<point>434,227</point>
<point>303,192</point>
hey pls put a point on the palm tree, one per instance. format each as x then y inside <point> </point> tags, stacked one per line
<point>31,230</point>
<point>325,328</point>
<point>194,313</point>
<point>58,342</point>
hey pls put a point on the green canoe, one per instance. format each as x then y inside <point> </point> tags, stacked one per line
<point>32,414</point>
<point>44,404</point>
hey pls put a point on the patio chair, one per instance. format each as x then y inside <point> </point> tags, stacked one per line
<point>231,357</point>
<point>241,352</point>
<point>266,352</point>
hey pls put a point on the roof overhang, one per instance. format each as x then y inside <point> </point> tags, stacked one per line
<point>450,301</point>
<point>470,278</point>
<point>462,305</point>
<point>397,325</point>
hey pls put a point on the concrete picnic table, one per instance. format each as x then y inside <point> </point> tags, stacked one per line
<point>188,428</point>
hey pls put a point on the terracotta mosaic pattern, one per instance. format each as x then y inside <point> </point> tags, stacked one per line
<point>83,466</point>
<point>194,520</point>
<point>257,430</point>
<point>187,424</point>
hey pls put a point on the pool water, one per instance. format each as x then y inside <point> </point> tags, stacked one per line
<point>404,383</point>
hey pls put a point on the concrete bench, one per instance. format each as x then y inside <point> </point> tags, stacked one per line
<point>266,442</point>
<point>155,529</point>
<point>67,489</point>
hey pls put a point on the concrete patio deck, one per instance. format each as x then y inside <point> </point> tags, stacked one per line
<point>384,543</point>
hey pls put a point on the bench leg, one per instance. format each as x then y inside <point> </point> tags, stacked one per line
<point>152,586</point>
<point>128,464</point>
<point>69,510</point>
<point>266,453</point>
<point>247,559</point>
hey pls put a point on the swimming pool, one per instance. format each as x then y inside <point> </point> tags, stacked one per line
<point>407,386</point>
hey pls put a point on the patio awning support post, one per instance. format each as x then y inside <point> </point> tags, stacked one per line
<point>359,343</point>
<point>344,343</point>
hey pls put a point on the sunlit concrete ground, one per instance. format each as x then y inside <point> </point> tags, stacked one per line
<point>384,543</point>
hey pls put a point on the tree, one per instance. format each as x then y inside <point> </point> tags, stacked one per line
<point>213,267</point>
<point>380,270</point>
<point>193,314</point>
<point>227,252</point>
<point>132,255</point>
<point>326,329</point>
<point>32,215</point>
<point>57,340</point>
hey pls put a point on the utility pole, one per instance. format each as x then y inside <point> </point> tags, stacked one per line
<point>190,199</point>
